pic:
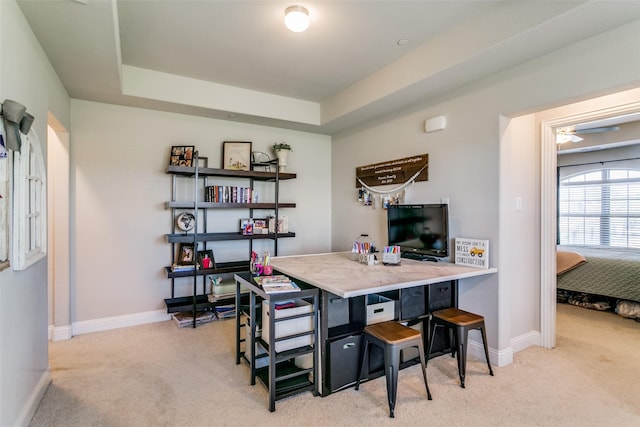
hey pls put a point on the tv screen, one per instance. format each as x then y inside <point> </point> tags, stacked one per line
<point>422,230</point>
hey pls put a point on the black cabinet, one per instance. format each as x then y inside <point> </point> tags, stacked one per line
<point>344,320</point>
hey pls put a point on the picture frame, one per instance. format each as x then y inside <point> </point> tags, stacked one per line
<point>185,254</point>
<point>182,155</point>
<point>236,155</point>
<point>208,253</point>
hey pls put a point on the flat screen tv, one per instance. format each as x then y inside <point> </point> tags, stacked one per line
<point>421,231</point>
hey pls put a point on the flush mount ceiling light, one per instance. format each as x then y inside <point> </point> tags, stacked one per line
<point>296,18</point>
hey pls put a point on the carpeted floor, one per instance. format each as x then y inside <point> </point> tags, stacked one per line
<point>159,375</point>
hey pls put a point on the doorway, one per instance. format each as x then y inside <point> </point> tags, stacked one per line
<point>618,104</point>
<point>58,250</point>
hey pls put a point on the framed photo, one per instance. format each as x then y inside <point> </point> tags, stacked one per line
<point>246,226</point>
<point>185,254</point>
<point>205,259</point>
<point>182,155</point>
<point>236,155</point>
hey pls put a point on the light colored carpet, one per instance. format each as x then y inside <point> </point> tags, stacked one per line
<point>159,375</point>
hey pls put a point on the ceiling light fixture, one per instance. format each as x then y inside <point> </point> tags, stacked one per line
<point>296,18</point>
<point>567,135</point>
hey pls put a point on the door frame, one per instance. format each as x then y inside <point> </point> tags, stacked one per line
<point>548,210</point>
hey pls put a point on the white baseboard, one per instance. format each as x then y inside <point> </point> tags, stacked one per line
<point>58,333</point>
<point>530,339</point>
<point>116,322</point>
<point>504,357</point>
<point>32,403</point>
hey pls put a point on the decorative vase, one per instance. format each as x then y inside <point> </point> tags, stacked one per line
<point>282,159</point>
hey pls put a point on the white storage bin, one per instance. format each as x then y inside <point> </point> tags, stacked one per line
<point>260,361</point>
<point>379,309</point>
<point>289,327</point>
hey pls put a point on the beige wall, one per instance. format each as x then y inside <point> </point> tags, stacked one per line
<point>27,77</point>
<point>481,162</point>
<point>119,190</point>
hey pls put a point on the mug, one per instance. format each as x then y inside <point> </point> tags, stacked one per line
<point>267,270</point>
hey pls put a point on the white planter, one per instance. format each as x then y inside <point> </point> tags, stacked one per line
<point>282,159</point>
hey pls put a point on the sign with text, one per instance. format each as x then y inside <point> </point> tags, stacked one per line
<point>472,252</point>
<point>394,171</point>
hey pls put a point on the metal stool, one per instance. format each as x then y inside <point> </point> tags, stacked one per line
<point>392,337</point>
<point>462,322</point>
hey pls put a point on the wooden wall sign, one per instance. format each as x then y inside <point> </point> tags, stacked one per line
<point>394,171</point>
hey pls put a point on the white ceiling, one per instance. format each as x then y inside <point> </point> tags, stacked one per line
<point>235,60</point>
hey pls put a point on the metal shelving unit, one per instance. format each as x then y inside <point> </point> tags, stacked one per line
<point>200,236</point>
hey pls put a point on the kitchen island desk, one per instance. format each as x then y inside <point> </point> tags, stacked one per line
<point>339,274</point>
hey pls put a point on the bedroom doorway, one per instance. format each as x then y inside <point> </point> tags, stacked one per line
<point>597,109</point>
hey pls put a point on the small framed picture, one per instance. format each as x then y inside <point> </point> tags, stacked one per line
<point>236,155</point>
<point>205,259</point>
<point>182,155</point>
<point>185,254</point>
<point>246,226</point>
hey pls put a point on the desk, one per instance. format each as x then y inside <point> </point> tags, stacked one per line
<point>337,273</point>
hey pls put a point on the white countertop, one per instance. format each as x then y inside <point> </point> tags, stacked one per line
<point>338,273</point>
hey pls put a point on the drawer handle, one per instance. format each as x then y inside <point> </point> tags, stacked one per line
<point>348,345</point>
<point>378,310</point>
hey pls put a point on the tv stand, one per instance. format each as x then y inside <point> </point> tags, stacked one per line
<point>418,257</point>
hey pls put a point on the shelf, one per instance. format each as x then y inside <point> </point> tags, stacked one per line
<point>257,175</point>
<point>212,237</point>
<point>289,379</point>
<point>221,267</point>
<point>215,205</point>
<point>176,305</point>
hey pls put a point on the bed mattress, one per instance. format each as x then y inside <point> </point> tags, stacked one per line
<point>609,272</point>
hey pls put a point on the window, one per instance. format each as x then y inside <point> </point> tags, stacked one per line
<point>600,208</point>
<point>29,204</point>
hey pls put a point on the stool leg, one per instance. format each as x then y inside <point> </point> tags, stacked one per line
<point>391,366</point>
<point>363,361</point>
<point>461,340</point>
<point>424,367</point>
<point>431,340</point>
<point>486,347</point>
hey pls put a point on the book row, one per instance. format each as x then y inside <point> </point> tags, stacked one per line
<point>230,194</point>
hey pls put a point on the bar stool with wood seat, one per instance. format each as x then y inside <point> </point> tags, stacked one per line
<point>461,322</point>
<point>392,337</point>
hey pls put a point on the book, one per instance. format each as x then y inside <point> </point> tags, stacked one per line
<point>276,279</point>
<point>183,267</point>
<point>185,319</point>
<point>275,288</point>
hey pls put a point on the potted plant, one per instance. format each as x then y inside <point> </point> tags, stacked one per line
<point>281,150</point>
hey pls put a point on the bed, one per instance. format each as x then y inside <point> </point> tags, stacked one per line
<point>608,272</point>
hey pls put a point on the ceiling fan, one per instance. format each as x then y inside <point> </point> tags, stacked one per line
<point>570,133</point>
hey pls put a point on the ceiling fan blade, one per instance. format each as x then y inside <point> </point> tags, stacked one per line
<point>596,130</point>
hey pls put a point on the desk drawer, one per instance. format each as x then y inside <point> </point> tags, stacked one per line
<point>285,328</point>
<point>379,309</point>
<point>344,360</point>
<point>440,296</point>
<point>338,310</point>
<point>412,303</point>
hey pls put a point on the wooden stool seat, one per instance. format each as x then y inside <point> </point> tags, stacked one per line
<point>458,317</point>
<point>392,332</point>
<point>392,337</point>
<point>461,322</point>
